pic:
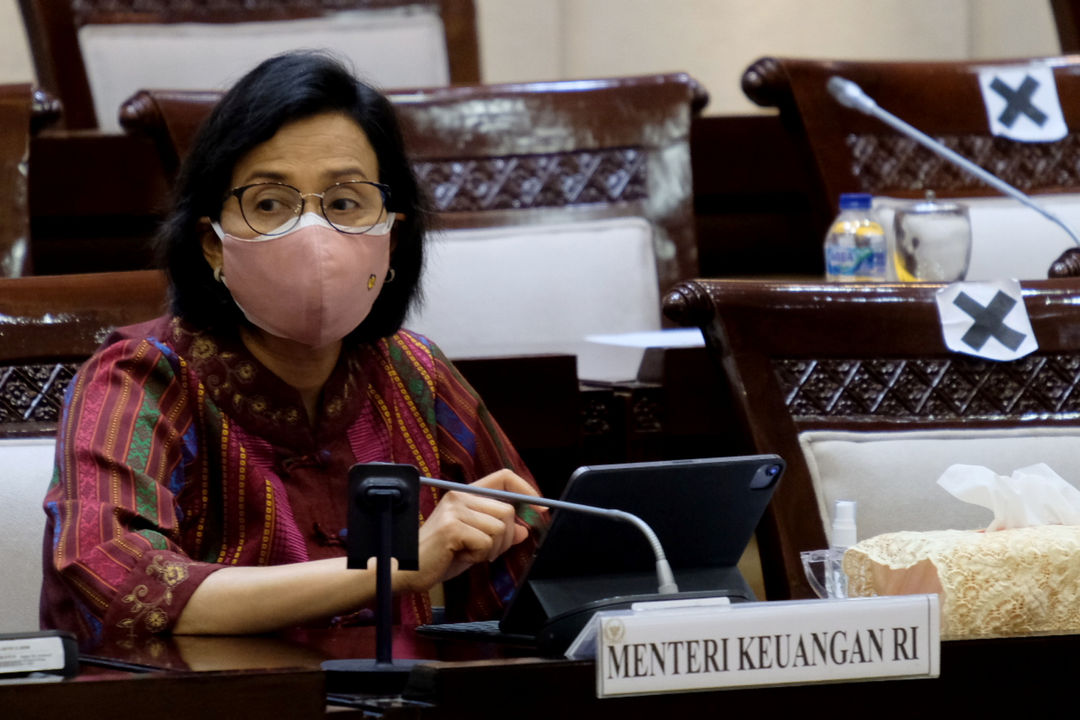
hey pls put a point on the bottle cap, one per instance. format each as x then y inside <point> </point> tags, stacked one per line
<point>855,201</point>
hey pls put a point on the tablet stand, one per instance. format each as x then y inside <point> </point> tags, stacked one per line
<point>384,522</point>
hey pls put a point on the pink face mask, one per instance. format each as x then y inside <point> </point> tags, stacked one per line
<point>312,284</point>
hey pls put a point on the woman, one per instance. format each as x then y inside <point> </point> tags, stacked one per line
<point>202,459</point>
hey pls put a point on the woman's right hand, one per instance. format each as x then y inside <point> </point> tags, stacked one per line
<point>462,530</point>
<point>467,529</point>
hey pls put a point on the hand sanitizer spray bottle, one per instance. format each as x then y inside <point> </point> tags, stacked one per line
<point>841,538</point>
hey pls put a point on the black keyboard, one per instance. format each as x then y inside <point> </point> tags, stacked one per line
<point>484,630</point>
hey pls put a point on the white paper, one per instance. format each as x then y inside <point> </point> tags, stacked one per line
<point>680,604</point>
<point>969,324</point>
<point>1022,102</point>
<point>584,645</point>
<point>673,338</point>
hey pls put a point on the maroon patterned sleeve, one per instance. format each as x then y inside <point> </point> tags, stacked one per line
<point>472,445</point>
<point>112,558</point>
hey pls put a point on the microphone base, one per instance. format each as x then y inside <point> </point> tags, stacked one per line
<point>367,675</point>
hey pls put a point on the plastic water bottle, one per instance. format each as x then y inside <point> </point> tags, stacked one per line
<point>855,247</point>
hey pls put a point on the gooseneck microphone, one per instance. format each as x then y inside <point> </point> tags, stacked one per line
<point>851,95</point>
<point>383,490</point>
<point>665,578</point>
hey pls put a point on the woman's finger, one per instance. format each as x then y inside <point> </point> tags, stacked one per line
<point>507,480</point>
<point>493,517</point>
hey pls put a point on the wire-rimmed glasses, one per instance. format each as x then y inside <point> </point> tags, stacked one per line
<point>353,207</point>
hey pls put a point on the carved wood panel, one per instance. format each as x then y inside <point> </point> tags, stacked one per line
<point>34,393</point>
<point>946,389</point>
<point>892,162</point>
<point>549,180</point>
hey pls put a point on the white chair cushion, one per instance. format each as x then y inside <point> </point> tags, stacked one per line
<point>528,289</point>
<point>393,47</point>
<point>28,466</point>
<point>1009,240</point>
<point>893,475</point>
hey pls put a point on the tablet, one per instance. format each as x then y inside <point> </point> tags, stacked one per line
<point>703,511</point>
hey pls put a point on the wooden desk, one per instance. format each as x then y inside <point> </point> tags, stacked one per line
<point>107,695</point>
<point>976,676</point>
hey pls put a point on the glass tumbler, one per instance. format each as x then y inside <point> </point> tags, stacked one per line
<point>933,240</point>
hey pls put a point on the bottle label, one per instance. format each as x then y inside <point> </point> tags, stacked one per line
<point>854,263</point>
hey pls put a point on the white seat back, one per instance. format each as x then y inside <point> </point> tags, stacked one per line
<point>26,465</point>
<point>893,475</point>
<point>529,289</point>
<point>391,47</point>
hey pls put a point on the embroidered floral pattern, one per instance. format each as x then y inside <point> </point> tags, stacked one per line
<point>256,397</point>
<point>149,612</point>
<point>245,371</point>
<point>203,348</point>
<point>170,573</point>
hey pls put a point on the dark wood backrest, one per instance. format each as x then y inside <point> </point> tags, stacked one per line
<point>50,324</point>
<point>852,152</point>
<point>53,25</point>
<point>523,153</point>
<point>870,358</point>
<point>23,111</point>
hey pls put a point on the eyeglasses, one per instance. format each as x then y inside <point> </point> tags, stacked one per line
<point>350,207</point>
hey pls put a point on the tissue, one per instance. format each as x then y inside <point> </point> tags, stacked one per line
<point>1033,495</point>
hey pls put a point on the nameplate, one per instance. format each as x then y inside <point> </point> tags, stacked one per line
<point>47,651</point>
<point>767,643</point>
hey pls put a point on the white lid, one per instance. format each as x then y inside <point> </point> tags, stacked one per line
<point>843,525</point>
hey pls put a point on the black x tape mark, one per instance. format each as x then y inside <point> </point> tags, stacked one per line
<point>989,321</point>
<point>1018,101</point>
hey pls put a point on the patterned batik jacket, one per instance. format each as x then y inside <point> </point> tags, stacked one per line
<point>180,454</point>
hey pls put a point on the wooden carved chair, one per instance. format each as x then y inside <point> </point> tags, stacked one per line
<point>24,110</point>
<point>853,386</point>
<point>94,54</point>
<point>569,202</point>
<point>852,152</point>
<point>48,327</point>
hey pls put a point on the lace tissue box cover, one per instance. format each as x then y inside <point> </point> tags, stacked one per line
<point>1019,576</point>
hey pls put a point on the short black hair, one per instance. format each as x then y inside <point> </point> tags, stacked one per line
<point>285,88</point>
